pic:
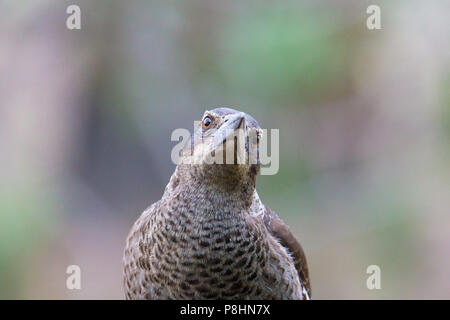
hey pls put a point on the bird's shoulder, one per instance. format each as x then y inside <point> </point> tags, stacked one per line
<point>135,257</point>
<point>138,230</point>
<point>283,234</point>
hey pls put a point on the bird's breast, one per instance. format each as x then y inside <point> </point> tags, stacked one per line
<point>211,255</point>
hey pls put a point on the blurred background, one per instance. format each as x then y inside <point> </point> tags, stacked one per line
<point>364,117</point>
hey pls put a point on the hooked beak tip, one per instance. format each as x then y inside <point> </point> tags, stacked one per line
<point>235,121</point>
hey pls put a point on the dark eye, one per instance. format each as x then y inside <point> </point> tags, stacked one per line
<point>206,123</point>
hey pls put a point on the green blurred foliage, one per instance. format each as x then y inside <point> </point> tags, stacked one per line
<point>281,54</point>
<point>26,219</point>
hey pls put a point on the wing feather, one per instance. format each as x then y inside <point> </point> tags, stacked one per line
<point>281,231</point>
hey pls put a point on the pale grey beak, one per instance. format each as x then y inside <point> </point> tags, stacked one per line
<point>232,122</point>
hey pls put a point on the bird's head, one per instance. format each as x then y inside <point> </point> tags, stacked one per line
<point>224,148</point>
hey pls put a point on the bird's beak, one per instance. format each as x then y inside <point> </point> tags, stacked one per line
<point>232,123</point>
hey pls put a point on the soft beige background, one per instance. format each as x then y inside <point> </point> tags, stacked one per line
<point>364,119</point>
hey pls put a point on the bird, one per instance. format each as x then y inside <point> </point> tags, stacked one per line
<point>210,236</point>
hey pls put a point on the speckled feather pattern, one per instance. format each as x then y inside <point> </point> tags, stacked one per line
<point>211,237</point>
<point>210,247</point>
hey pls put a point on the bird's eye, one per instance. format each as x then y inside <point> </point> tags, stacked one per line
<point>206,123</point>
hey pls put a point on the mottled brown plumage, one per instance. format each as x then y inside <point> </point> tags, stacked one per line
<point>210,236</point>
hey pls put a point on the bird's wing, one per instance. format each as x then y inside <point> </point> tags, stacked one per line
<point>281,231</point>
<point>135,258</point>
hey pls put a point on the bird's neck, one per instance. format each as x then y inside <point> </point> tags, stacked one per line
<point>199,188</point>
